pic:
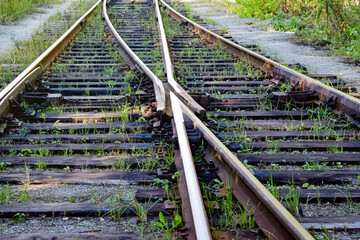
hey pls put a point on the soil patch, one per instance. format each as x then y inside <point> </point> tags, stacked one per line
<point>23,29</point>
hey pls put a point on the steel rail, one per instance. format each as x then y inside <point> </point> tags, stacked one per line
<point>137,63</point>
<point>35,68</point>
<point>270,215</point>
<point>342,101</point>
<point>169,69</point>
<point>200,220</point>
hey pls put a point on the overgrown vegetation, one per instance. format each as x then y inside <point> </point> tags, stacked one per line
<point>11,10</point>
<point>26,51</point>
<point>331,23</point>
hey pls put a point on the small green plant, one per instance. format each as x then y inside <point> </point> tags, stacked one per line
<point>226,220</point>
<point>3,165</point>
<point>95,198</point>
<point>314,165</point>
<point>270,185</point>
<point>307,186</point>
<point>162,183</point>
<point>41,165</point>
<point>217,184</point>
<point>141,211</point>
<point>141,120</point>
<point>67,168</point>
<point>245,148</point>
<point>210,21</point>
<point>246,218</point>
<point>71,199</point>
<point>335,149</point>
<point>68,153</point>
<point>292,199</point>
<point>115,213</point>
<point>5,194</point>
<point>20,217</point>
<point>23,195</point>
<point>162,224</point>
<point>121,165</point>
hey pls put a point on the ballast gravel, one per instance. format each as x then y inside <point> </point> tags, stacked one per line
<point>68,225</point>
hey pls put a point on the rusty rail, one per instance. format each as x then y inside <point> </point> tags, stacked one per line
<point>200,220</point>
<point>275,221</point>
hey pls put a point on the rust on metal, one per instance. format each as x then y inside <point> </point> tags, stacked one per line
<point>185,200</point>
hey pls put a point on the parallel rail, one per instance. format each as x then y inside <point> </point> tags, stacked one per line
<point>169,69</point>
<point>86,124</point>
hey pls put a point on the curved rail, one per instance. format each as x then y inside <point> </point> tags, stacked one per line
<point>137,63</point>
<point>169,69</point>
<point>34,69</point>
<point>344,102</point>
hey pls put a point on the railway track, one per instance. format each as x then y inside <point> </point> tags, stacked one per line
<point>101,145</point>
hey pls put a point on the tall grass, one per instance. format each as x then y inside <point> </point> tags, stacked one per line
<point>11,10</point>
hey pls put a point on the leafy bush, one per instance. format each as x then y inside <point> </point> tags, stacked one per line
<point>256,8</point>
<point>284,22</point>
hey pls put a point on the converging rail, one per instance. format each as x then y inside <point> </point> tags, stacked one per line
<point>192,135</point>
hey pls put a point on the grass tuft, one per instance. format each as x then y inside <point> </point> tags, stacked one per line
<point>11,10</point>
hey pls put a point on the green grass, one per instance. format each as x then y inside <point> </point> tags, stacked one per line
<point>26,51</point>
<point>333,24</point>
<point>11,10</point>
<point>254,8</point>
